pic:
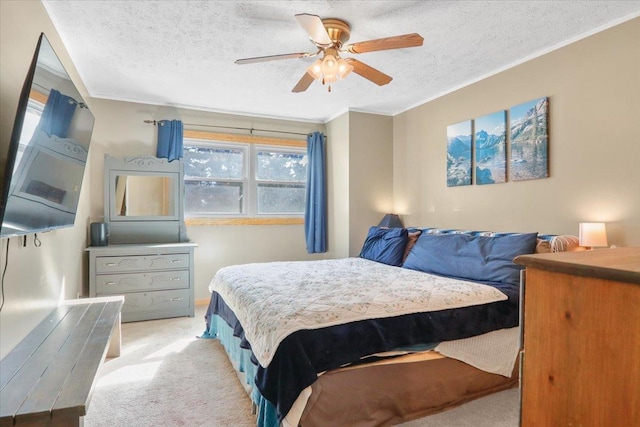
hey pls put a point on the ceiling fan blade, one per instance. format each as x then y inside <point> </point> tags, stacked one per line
<point>395,42</point>
<point>368,72</point>
<point>274,57</point>
<point>315,28</point>
<point>304,83</point>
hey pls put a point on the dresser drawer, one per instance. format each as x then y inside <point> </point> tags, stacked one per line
<point>159,302</point>
<point>155,279</point>
<point>140,282</point>
<point>113,264</point>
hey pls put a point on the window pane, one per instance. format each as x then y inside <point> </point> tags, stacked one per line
<point>213,197</point>
<point>213,162</point>
<point>280,198</point>
<point>281,166</point>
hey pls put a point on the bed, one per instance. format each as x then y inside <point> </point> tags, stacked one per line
<point>423,320</point>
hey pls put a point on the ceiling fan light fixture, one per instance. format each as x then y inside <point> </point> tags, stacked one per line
<point>344,68</point>
<point>330,35</point>
<point>329,66</point>
<point>315,69</point>
<point>329,78</point>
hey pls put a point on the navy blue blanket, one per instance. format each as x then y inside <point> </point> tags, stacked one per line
<point>305,353</point>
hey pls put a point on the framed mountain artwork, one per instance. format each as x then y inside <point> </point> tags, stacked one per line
<point>459,154</point>
<point>490,139</point>
<point>529,130</point>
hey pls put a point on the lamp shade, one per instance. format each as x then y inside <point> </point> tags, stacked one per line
<point>315,69</point>
<point>329,67</point>
<point>593,234</point>
<point>344,68</point>
<point>391,221</point>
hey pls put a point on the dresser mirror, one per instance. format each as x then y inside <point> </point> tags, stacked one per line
<point>144,195</point>
<point>143,200</point>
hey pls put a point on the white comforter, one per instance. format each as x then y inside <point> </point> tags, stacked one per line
<point>273,300</point>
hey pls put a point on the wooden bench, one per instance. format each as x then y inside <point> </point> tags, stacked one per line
<point>47,379</point>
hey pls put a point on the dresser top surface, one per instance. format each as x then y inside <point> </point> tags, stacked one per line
<point>141,247</point>
<point>619,264</point>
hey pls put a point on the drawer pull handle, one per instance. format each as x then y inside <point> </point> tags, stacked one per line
<point>109,283</point>
<point>175,261</point>
<point>110,264</point>
<point>176,279</point>
<point>176,299</point>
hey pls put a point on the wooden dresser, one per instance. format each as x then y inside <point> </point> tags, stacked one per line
<point>581,338</point>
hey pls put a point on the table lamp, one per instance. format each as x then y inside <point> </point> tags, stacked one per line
<point>592,234</point>
<point>391,221</point>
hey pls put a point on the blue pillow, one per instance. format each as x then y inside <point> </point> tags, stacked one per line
<point>480,258</point>
<point>385,245</point>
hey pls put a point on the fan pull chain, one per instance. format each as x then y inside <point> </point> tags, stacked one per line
<point>328,86</point>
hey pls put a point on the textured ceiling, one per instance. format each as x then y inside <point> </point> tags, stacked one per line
<point>182,53</point>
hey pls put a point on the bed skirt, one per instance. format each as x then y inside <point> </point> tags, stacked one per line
<point>241,360</point>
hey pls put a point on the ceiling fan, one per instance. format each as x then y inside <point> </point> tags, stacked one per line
<point>329,36</point>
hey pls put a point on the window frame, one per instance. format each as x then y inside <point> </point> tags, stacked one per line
<point>250,216</point>
<point>255,182</point>
<point>244,180</point>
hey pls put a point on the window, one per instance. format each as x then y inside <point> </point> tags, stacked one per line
<point>252,179</point>
<point>215,179</point>
<point>280,177</point>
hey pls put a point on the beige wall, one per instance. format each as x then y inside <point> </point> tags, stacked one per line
<point>360,178</point>
<point>37,278</point>
<point>120,131</point>
<point>338,187</point>
<point>593,87</point>
<point>370,174</point>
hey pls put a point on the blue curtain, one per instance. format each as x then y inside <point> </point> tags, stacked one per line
<point>315,217</point>
<point>57,114</point>
<point>170,139</point>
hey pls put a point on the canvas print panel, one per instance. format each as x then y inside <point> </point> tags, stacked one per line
<point>490,147</point>
<point>459,154</point>
<point>529,140</point>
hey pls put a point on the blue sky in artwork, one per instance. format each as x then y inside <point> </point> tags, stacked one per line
<point>462,128</point>
<point>520,110</point>
<point>493,124</point>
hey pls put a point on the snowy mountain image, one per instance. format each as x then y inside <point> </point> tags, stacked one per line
<point>484,140</point>
<point>489,142</point>
<point>529,140</point>
<point>459,154</point>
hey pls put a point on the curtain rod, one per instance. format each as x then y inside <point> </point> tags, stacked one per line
<point>71,99</point>
<point>251,130</point>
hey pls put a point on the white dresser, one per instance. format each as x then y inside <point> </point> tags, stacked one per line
<point>148,258</point>
<point>156,279</point>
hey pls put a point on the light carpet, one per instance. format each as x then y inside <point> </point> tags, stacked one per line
<point>166,376</point>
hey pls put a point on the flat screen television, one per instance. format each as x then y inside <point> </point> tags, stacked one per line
<point>47,152</point>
